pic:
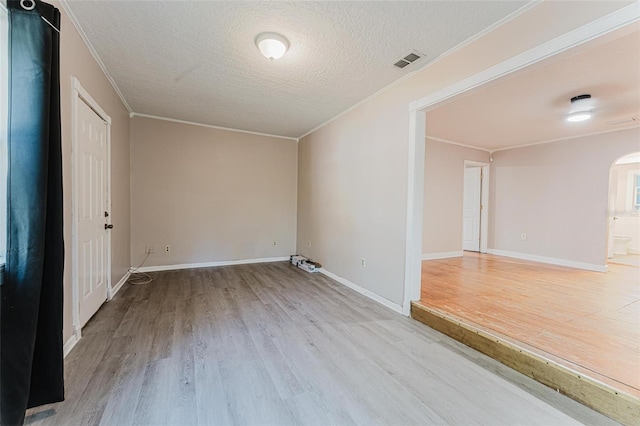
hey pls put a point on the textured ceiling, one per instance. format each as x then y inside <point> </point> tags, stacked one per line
<point>530,106</point>
<point>197,61</point>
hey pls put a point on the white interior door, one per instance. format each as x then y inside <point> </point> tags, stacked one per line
<point>91,209</point>
<point>471,209</point>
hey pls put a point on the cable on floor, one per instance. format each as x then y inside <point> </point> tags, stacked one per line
<point>137,277</point>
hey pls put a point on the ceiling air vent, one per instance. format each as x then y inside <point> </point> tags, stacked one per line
<point>408,59</point>
<point>629,120</point>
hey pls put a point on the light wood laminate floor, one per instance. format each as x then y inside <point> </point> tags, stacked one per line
<point>588,321</point>
<point>272,344</point>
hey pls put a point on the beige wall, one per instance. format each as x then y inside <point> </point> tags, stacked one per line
<point>557,194</point>
<point>76,60</point>
<point>443,194</point>
<point>212,195</point>
<point>353,178</point>
<point>628,222</point>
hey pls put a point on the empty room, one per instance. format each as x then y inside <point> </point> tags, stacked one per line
<point>226,212</point>
<point>530,261</point>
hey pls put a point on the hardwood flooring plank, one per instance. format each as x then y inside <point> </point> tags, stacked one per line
<point>590,319</point>
<point>272,344</point>
<point>124,395</point>
<point>153,399</point>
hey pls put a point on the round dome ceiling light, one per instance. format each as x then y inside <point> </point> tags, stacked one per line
<point>272,45</point>
<point>575,117</point>
<point>581,108</point>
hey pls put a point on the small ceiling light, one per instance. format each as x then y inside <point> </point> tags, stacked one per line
<point>272,45</point>
<point>574,117</point>
<point>581,108</point>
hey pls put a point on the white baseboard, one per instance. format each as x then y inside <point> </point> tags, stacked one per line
<point>69,344</point>
<point>210,264</point>
<point>119,285</point>
<point>443,255</point>
<point>386,302</point>
<point>549,260</point>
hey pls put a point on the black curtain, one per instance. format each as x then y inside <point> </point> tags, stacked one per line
<point>31,364</point>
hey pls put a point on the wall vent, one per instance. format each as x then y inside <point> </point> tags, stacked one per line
<point>408,59</point>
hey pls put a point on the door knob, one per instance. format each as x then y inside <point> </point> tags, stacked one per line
<point>108,226</point>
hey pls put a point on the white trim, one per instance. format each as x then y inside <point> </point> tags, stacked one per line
<point>364,101</point>
<point>83,94</point>
<point>415,210</point>
<point>597,28</point>
<point>112,291</point>
<point>629,197</point>
<point>355,287</point>
<point>549,260</point>
<point>93,52</point>
<point>210,264</point>
<point>210,126</point>
<point>75,292</point>
<point>79,94</point>
<point>562,139</point>
<point>417,131</point>
<point>442,255</point>
<point>524,9</point>
<point>450,142</point>
<point>567,138</point>
<point>69,344</point>
<point>433,61</point>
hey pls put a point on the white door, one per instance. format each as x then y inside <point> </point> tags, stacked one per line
<point>91,209</point>
<point>471,209</point>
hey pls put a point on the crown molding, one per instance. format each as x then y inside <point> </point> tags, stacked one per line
<point>566,138</point>
<point>450,142</point>
<point>72,17</point>
<point>434,61</point>
<point>210,126</point>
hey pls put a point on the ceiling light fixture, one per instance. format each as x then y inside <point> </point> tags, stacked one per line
<point>272,45</point>
<point>581,108</point>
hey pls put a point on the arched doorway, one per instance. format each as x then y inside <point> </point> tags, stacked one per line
<point>624,211</point>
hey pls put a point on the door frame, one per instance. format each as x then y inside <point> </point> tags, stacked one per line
<point>79,94</point>
<point>612,201</point>
<point>484,201</point>
<point>418,125</point>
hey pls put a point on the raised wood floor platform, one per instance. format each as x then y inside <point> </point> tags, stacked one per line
<point>573,330</point>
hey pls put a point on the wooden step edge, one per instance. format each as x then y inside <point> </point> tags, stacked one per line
<point>614,403</point>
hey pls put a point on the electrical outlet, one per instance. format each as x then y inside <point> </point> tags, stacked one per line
<point>148,249</point>
<point>363,262</point>
<point>167,249</point>
<point>309,243</point>
<point>275,243</point>
<point>523,237</point>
